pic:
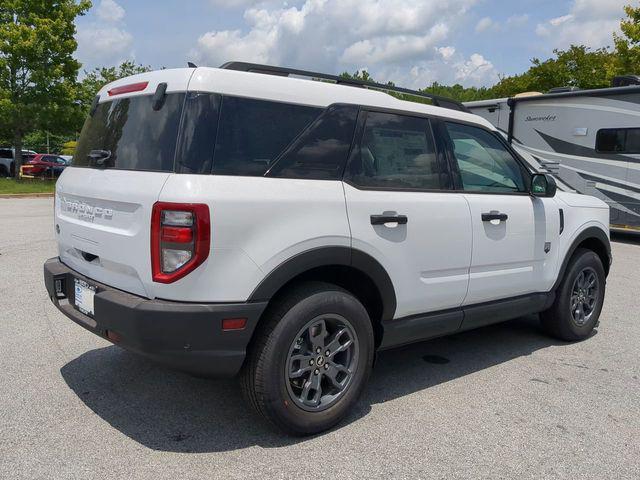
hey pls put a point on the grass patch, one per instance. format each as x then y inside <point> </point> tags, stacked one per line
<point>10,186</point>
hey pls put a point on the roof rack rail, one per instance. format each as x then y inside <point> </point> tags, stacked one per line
<point>437,100</point>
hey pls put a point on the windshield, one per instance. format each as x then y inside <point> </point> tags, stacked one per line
<point>129,134</point>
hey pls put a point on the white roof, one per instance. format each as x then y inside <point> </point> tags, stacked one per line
<point>277,88</point>
<point>485,103</point>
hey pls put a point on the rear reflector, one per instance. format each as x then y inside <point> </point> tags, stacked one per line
<point>114,336</point>
<point>132,87</point>
<point>234,323</point>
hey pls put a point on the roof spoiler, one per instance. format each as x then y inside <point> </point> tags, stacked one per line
<point>437,100</point>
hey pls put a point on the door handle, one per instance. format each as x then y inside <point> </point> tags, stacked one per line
<point>494,215</point>
<point>382,219</point>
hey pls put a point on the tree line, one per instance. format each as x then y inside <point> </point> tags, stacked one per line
<point>44,101</point>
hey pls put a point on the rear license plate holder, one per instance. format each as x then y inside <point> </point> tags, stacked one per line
<point>84,296</point>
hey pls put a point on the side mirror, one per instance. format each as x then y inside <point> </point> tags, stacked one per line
<point>543,185</point>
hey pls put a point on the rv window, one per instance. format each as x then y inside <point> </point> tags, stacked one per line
<point>252,133</point>
<point>397,152</point>
<point>618,140</point>
<point>484,162</point>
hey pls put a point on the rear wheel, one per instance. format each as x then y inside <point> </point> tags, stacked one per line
<point>579,298</point>
<point>311,359</point>
<point>3,171</point>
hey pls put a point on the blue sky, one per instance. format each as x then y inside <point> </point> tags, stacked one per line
<point>411,42</point>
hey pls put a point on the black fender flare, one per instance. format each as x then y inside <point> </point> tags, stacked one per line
<point>325,257</point>
<point>588,233</point>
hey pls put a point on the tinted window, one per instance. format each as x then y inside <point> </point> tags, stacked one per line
<point>5,153</point>
<point>484,163</point>
<point>137,136</point>
<point>252,133</point>
<point>321,151</point>
<point>198,136</point>
<point>618,140</point>
<point>397,151</point>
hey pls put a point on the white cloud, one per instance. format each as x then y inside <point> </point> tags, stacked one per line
<point>484,24</point>
<point>475,70</point>
<point>446,52</point>
<point>110,11</point>
<point>390,37</point>
<point>588,22</point>
<point>106,41</point>
<point>518,20</point>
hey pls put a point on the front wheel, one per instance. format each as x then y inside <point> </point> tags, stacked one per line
<point>579,298</point>
<point>311,359</point>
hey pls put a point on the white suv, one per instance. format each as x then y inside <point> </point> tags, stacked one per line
<point>243,221</point>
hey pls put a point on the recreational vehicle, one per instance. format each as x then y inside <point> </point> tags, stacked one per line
<point>589,139</point>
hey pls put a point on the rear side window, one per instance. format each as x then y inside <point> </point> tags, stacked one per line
<point>397,152</point>
<point>198,135</point>
<point>132,134</point>
<point>618,140</point>
<point>321,151</point>
<point>252,134</point>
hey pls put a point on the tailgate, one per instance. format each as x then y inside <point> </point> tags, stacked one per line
<point>103,220</point>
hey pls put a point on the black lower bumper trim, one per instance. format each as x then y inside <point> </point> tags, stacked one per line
<point>187,336</point>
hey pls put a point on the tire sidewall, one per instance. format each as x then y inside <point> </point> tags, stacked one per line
<point>584,259</point>
<point>281,406</point>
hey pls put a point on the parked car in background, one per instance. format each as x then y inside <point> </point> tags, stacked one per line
<point>44,165</point>
<point>7,160</point>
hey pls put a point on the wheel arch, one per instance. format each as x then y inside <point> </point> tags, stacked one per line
<point>591,238</point>
<point>355,271</point>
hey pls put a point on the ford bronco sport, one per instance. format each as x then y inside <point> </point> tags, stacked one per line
<point>246,220</point>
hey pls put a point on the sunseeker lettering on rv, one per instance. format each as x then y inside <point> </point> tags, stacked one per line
<point>86,211</point>
<point>548,118</point>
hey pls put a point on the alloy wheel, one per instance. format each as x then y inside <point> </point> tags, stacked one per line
<point>584,296</point>
<point>321,362</point>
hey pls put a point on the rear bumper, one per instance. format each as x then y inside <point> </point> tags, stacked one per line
<point>186,336</point>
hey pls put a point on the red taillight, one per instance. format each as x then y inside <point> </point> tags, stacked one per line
<point>180,239</point>
<point>132,87</point>
<point>177,234</point>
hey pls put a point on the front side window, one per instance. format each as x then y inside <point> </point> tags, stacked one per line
<point>484,163</point>
<point>397,152</point>
<point>618,140</point>
<point>252,133</point>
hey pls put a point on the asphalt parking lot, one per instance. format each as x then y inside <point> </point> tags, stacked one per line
<point>501,402</point>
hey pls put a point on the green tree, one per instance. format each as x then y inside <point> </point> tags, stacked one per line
<point>628,45</point>
<point>99,77</point>
<point>37,69</point>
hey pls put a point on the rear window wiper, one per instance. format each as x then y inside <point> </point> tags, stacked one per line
<point>100,158</point>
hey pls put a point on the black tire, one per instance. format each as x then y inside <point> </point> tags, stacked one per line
<point>3,171</point>
<point>265,377</point>
<point>559,320</point>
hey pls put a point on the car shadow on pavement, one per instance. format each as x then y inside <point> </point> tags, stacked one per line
<point>171,411</point>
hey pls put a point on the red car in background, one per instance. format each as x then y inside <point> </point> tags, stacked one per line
<point>44,165</point>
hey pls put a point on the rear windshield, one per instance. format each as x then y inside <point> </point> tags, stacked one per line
<point>130,135</point>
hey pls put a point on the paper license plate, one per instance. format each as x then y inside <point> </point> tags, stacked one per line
<point>84,294</point>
